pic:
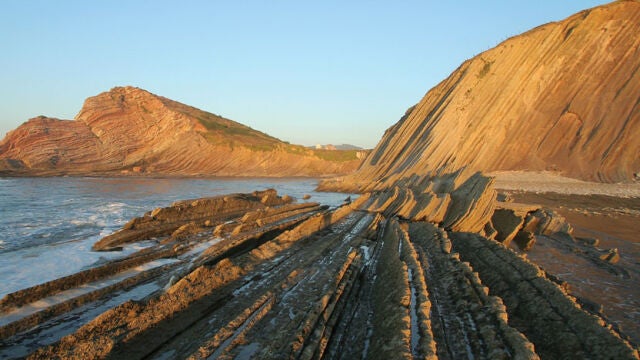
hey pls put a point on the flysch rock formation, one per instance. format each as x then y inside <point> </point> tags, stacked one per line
<point>260,276</point>
<point>129,131</point>
<point>563,97</point>
<point>428,262</point>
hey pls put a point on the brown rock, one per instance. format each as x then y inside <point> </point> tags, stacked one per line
<point>185,217</point>
<point>507,223</point>
<point>472,205</point>
<point>432,208</point>
<point>612,256</point>
<point>131,131</point>
<point>589,241</point>
<point>525,240</point>
<point>547,222</point>
<point>462,203</point>
<point>489,231</point>
<point>561,97</point>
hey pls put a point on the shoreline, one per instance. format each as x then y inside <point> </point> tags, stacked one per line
<point>159,176</point>
<point>524,181</point>
<point>549,182</point>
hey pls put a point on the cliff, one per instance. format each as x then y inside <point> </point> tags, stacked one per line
<point>129,130</point>
<point>423,265</point>
<point>563,97</point>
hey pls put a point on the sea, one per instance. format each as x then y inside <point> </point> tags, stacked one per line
<point>48,225</point>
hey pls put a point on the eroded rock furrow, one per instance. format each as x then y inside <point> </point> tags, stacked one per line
<point>351,338</point>
<point>67,293</point>
<point>200,212</point>
<point>51,324</point>
<point>538,307</point>
<point>302,281</point>
<point>470,323</point>
<point>298,322</point>
<point>47,309</point>
<point>233,332</point>
<point>23,297</point>
<point>391,322</point>
<point>423,344</point>
<point>288,270</point>
<point>210,286</point>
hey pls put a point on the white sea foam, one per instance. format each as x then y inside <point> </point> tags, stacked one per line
<point>49,224</point>
<point>27,267</point>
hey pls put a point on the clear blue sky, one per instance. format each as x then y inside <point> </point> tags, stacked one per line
<point>304,71</point>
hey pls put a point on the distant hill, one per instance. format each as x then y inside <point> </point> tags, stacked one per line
<point>336,147</point>
<point>128,130</point>
<point>563,97</point>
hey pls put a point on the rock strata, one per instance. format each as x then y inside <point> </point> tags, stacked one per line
<point>562,97</point>
<point>553,321</point>
<point>255,275</point>
<point>129,131</point>
<point>420,265</point>
<point>189,216</point>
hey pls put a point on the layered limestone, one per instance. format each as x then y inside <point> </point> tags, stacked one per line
<point>563,97</point>
<point>420,266</point>
<point>133,132</point>
<point>189,215</point>
<point>276,279</point>
<point>454,202</point>
<point>537,306</point>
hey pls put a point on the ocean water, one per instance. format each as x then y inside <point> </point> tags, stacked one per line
<point>48,225</point>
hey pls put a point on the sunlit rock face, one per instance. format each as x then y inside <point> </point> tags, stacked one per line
<point>131,131</point>
<point>376,278</point>
<point>562,97</point>
<point>423,264</point>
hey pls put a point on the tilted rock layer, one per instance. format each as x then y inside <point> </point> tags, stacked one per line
<point>255,276</point>
<point>562,97</point>
<point>133,131</point>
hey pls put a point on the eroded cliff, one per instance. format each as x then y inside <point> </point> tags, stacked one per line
<point>129,130</point>
<point>562,97</point>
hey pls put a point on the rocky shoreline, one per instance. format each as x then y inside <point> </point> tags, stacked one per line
<point>414,271</point>
<point>429,262</point>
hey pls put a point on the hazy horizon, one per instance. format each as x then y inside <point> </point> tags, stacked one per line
<point>320,73</point>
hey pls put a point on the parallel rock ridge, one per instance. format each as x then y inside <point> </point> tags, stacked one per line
<point>131,131</point>
<point>256,276</point>
<point>562,97</point>
<point>417,267</point>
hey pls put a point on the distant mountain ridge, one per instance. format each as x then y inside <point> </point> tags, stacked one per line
<point>128,130</point>
<point>563,97</point>
<point>336,147</point>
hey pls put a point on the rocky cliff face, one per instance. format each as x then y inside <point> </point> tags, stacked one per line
<point>562,97</point>
<point>129,130</point>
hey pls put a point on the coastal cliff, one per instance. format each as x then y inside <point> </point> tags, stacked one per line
<point>429,262</point>
<point>128,130</point>
<point>563,97</point>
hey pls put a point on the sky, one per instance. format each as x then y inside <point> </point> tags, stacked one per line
<point>307,72</point>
